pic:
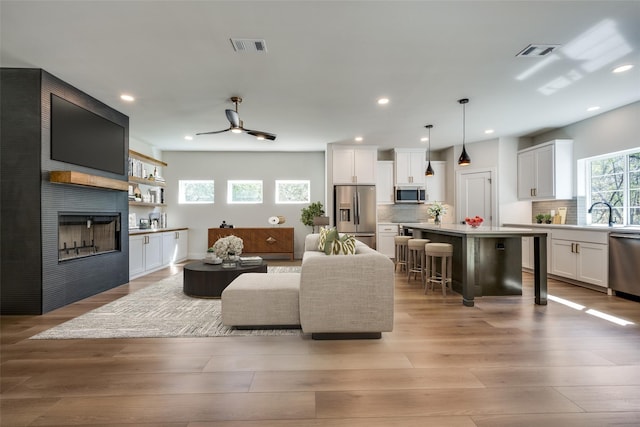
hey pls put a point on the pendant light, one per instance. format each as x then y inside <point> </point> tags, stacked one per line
<point>464,159</point>
<point>429,171</point>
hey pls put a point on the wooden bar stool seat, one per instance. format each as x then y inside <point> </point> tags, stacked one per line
<point>415,260</point>
<point>401,251</point>
<point>443,251</point>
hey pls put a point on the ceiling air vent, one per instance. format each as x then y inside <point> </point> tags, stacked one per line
<point>249,45</point>
<point>537,50</point>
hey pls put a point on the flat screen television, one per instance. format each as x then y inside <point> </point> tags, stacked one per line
<point>83,138</point>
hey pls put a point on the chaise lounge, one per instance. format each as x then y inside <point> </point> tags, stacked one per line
<point>333,296</point>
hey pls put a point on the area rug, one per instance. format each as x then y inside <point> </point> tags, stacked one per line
<point>159,310</point>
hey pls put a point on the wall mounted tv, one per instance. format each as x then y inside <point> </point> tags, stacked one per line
<point>84,138</point>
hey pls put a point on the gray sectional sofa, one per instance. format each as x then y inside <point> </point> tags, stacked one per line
<point>333,297</point>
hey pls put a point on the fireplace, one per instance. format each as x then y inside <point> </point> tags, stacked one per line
<point>82,235</point>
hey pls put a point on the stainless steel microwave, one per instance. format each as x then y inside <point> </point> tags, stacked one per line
<point>410,195</point>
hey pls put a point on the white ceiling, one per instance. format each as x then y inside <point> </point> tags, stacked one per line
<point>328,62</point>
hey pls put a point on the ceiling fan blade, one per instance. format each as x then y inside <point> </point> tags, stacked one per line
<point>233,118</point>
<point>211,133</point>
<point>258,134</point>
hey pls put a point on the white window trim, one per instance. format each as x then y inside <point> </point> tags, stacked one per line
<point>232,182</point>
<point>181,194</point>
<point>293,181</point>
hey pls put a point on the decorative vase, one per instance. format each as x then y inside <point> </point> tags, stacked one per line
<point>229,261</point>
<point>436,220</point>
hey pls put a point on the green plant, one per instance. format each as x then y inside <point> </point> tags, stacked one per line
<point>547,218</point>
<point>313,210</point>
<point>540,218</point>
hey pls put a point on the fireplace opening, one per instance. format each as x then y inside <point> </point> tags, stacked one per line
<point>82,235</point>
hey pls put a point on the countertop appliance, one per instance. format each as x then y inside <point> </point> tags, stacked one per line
<point>355,211</point>
<point>624,268</point>
<point>410,194</point>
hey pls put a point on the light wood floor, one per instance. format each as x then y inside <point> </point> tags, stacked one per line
<point>504,362</point>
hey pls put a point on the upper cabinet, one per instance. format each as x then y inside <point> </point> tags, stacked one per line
<point>146,183</point>
<point>435,184</point>
<point>410,167</point>
<point>545,171</point>
<point>354,165</point>
<point>384,185</point>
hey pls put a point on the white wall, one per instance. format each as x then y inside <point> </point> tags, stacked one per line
<point>609,132</point>
<point>222,166</point>
<point>510,209</point>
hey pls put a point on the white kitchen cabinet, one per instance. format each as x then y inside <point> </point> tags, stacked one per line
<point>386,242</point>
<point>149,252</point>
<point>435,184</point>
<point>175,246</point>
<point>354,165</point>
<point>581,255</point>
<point>384,183</point>
<point>545,171</point>
<point>152,251</point>
<point>136,255</point>
<point>410,167</point>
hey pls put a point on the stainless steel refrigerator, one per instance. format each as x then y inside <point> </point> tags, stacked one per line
<point>355,211</point>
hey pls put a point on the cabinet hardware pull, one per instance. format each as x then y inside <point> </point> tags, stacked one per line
<point>271,240</point>
<point>572,248</point>
<point>577,248</point>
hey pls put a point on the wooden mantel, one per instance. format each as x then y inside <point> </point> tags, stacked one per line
<point>86,180</point>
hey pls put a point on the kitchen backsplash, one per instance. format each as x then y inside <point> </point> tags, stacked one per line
<point>410,213</point>
<point>549,205</point>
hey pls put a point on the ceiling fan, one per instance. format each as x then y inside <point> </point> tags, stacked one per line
<point>236,125</point>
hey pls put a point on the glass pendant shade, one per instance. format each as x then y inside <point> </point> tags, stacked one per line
<point>464,159</point>
<point>429,171</point>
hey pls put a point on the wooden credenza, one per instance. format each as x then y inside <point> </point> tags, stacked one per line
<point>259,241</point>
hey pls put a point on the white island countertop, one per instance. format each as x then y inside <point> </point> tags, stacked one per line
<point>467,229</point>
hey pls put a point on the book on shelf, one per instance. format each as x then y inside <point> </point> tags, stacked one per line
<point>250,260</point>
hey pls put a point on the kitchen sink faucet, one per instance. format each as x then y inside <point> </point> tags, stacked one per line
<point>610,211</point>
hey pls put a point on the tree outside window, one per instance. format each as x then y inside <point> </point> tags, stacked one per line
<point>244,191</point>
<point>196,191</point>
<point>293,191</point>
<point>616,180</point>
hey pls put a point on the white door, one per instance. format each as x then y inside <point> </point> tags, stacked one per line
<point>475,196</point>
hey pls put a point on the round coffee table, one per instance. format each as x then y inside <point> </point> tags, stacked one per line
<point>204,280</point>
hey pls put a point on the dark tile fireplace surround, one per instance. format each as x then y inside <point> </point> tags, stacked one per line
<point>37,214</point>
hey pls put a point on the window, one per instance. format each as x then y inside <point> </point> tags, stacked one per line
<point>293,191</point>
<point>195,191</point>
<point>615,179</point>
<point>244,191</point>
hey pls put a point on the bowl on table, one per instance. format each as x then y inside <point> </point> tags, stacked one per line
<point>475,221</point>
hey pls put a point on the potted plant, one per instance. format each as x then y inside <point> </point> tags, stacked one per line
<point>313,210</point>
<point>547,219</point>
<point>539,218</point>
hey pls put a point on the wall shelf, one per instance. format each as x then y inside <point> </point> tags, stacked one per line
<point>134,203</point>
<point>86,180</point>
<point>146,159</point>
<point>151,182</point>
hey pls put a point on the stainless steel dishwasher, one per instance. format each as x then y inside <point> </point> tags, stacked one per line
<point>624,262</point>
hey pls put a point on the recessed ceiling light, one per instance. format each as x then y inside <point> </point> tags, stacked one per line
<point>359,138</point>
<point>622,68</point>
<point>126,97</point>
<point>424,139</point>
<point>594,108</point>
<point>188,137</point>
<point>383,101</point>
<point>489,131</point>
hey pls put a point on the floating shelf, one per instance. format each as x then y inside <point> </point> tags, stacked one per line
<point>146,159</point>
<point>145,204</point>
<point>143,181</point>
<point>86,180</point>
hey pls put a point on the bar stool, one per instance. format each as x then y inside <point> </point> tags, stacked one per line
<point>433,251</point>
<point>400,243</point>
<point>416,260</point>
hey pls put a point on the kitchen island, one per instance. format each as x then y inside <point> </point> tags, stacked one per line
<point>488,260</point>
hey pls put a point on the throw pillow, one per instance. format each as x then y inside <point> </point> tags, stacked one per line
<point>331,237</point>
<point>323,237</point>
<point>345,245</point>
